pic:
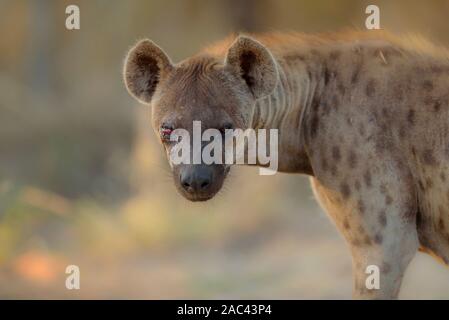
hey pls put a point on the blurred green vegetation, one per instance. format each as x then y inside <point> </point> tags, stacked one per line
<point>83,180</point>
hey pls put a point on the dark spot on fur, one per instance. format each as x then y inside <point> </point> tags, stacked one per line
<point>367,240</point>
<point>309,72</point>
<point>327,75</point>
<point>362,130</point>
<point>421,185</point>
<point>378,238</point>
<point>316,104</point>
<point>429,183</point>
<point>388,200</point>
<point>346,224</point>
<point>336,101</point>
<point>437,106</point>
<point>398,91</point>
<point>341,88</point>
<point>335,54</point>
<point>357,69</point>
<point>345,190</point>
<point>411,215</point>
<point>293,58</point>
<point>429,100</point>
<point>411,116</point>
<point>428,157</point>
<point>442,176</point>
<point>324,164</point>
<point>360,229</point>
<point>382,143</point>
<point>427,85</point>
<point>441,224</point>
<point>386,268</point>
<point>336,153</point>
<point>399,94</point>
<point>367,178</point>
<point>439,69</point>
<point>357,185</point>
<point>334,170</point>
<point>361,207</point>
<point>314,126</point>
<point>383,218</point>
<point>402,132</point>
<point>371,88</point>
<point>311,152</point>
<point>352,159</point>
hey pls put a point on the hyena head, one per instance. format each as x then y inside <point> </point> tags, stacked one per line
<point>220,91</point>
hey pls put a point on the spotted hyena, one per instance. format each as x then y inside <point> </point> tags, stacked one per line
<point>365,115</point>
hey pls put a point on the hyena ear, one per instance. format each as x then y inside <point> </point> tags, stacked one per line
<point>252,61</point>
<point>145,65</point>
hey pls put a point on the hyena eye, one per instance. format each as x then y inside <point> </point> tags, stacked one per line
<point>165,132</point>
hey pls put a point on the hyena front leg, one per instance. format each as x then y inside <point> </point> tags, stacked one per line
<point>391,259</point>
<point>375,217</point>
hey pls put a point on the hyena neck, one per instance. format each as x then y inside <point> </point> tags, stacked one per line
<point>299,87</point>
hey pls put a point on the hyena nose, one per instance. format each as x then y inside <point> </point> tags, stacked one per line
<point>196,178</point>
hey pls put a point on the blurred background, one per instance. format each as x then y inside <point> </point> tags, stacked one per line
<point>83,180</point>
